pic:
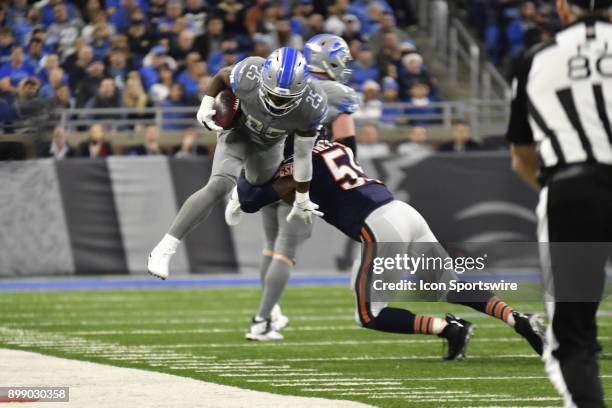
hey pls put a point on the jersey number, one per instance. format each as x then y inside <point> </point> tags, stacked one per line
<point>257,127</point>
<point>349,175</point>
<point>579,66</point>
<point>314,99</point>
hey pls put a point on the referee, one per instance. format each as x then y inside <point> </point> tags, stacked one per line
<point>561,141</point>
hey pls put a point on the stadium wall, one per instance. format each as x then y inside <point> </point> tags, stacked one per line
<point>85,216</point>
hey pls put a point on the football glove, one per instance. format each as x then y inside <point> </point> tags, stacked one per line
<point>303,209</point>
<point>206,113</point>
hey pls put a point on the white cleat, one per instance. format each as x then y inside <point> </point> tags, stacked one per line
<point>159,258</point>
<point>278,320</point>
<point>233,212</point>
<point>262,331</point>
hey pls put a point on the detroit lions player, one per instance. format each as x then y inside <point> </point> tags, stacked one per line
<point>365,210</point>
<point>327,57</point>
<point>277,98</point>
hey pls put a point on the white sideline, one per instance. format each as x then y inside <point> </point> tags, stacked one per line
<point>99,386</point>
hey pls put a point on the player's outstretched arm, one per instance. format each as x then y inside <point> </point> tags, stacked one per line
<point>303,208</point>
<point>206,112</point>
<point>343,131</point>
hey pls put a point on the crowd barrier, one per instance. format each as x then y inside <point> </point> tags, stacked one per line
<point>85,216</point>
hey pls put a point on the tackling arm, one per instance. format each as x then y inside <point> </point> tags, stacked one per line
<point>343,131</point>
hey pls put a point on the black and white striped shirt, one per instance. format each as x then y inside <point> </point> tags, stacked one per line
<point>562,96</point>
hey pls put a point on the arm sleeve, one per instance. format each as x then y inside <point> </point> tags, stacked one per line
<point>302,157</point>
<point>254,198</point>
<point>519,131</point>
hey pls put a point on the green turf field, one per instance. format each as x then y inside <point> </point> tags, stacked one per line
<point>199,333</point>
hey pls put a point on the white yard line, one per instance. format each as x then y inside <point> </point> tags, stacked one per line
<point>100,386</point>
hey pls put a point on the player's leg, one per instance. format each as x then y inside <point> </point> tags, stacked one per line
<point>230,154</point>
<point>270,227</point>
<point>290,238</point>
<point>392,223</point>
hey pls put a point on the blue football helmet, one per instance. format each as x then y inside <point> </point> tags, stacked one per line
<point>284,78</point>
<point>329,54</point>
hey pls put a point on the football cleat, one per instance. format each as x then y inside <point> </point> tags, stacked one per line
<point>457,334</point>
<point>278,320</point>
<point>262,331</point>
<point>233,212</point>
<point>159,258</point>
<point>532,328</point>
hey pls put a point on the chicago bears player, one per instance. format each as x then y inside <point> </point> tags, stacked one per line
<point>365,210</point>
<point>327,57</point>
<point>277,98</point>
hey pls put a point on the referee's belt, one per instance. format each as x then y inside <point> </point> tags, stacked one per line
<point>574,170</point>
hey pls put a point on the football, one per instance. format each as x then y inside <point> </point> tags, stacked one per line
<point>227,107</point>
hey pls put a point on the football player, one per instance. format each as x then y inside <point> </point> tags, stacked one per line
<point>365,210</point>
<point>277,98</point>
<point>327,57</point>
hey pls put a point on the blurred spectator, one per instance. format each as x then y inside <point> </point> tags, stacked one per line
<point>254,14</point>
<point>387,26</point>
<point>135,97</point>
<point>181,46</point>
<point>56,79</point>
<point>161,89</point>
<point>392,114</point>
<point>334,23</point>
<point>174,10</point>
<point>101,41</point>
<point>58,148</point>
<point>189,146</point>
<point>422,100</point>
<point>88,87</point>
<point>417,142</point>
<point>106,98</point>
<point>211,39</point>
<point>62,99</point>
<point>232,12</point>
<point>314,25</point>
<point>64,30</point>
<point>47,64</point>
<point>100,18</point>
<point>522,27</point>
<point>412,70</point>
<point>151,145</point>
<point>175,99</point>
<point>152,63</point>
<point>368,146</point>
<point>352,28</point>
<point>371,22</point>
<point>364,66</point>
<point>216,59</point>
<point>118,66</point>
<point>389,54</point>
<point>462,141</point>
<point>282,36</point>
<point>157,11</point>
<point>203,84</point>
<point>119,16</point>
<point>195,14</point>
<point>95,146</point>
<point>139,39</point>
<point>76,64</point>
<point>196,68</point>
<point>14,71</point>
<point>361,8</point>
<point>35,50</point>
<point>370,106</point>
<point>261,47</point>
<point>27,104</point>
<point>301,11</point>
<point>7,42</point>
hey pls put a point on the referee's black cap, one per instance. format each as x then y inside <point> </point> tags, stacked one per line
<point>592,4</point>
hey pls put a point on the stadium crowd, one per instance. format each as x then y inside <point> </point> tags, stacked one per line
<point>146,53</point>
<point>509,27</point>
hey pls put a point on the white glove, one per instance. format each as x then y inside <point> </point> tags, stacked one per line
<point>303,209</point>
<point>206,112</point>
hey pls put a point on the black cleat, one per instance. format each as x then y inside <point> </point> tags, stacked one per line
<point>457,333</point>
<point>531,327</point>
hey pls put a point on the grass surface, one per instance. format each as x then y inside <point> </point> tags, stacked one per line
<point>199,333</point>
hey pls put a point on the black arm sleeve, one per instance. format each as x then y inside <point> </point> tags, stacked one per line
<point>519,130</point>
<point>350,142</point>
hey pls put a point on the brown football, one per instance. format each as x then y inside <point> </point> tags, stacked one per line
<point>227,107</point>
